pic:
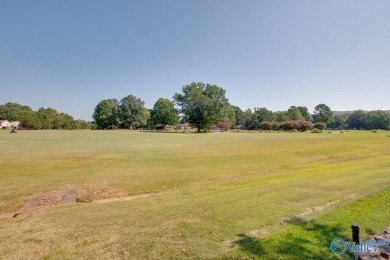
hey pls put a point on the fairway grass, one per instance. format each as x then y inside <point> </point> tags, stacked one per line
<point>210,196</point>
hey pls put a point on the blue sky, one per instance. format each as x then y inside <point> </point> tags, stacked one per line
<point>71,54</point>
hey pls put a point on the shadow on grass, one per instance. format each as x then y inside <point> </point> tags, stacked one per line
<point>301,239</point>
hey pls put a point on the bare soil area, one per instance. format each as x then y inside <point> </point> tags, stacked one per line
<point>60,198</point>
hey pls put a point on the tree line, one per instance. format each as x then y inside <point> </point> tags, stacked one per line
<point>362,120</point>
<point>43,118</point>
<point>205,106</point>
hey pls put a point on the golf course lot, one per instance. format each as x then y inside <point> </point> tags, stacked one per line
<point>141,195</point>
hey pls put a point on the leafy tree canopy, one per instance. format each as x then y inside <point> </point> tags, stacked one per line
<point>132,112</point>
<point>203,105</point>
<point>323,114</point>
<point>105,113</point>
<point>10,111</point>
<point>164,113</point>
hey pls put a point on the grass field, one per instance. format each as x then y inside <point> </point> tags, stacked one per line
<point>207,196</point>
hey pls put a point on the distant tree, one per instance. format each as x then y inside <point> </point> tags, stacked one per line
<point>11,111</point>
<point>275,125</point>
<point>296,125</point>
<point>50,118</point>
<point>227,115</point>
<point>68,122</point>
<point>294,113</point>
<point>82,124</point>
<point>305,113</point>
<point>105,114</point>
<point>339,122</point>
<point>148,118</point>
<point>44,118</point>
<point>260,115</point>
<point>323,114</point>
<point>281,116</point>
<point>266,125</point>
<point>320,126</point>
<point>132,112</point>
<point>30,120</point>
<point>203,105</point>
<point>377,119</point>
<point>224,124</point>
<point>357,120</point>
<point>303,125</point>
<point>250,120</point>
<point>239,115</point>
<point>164,113</point>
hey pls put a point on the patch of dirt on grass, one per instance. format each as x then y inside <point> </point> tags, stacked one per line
<point>310,211</point>
<point>59,198</point>
<point>230,243</point>
<point>101,192</point>
<point>123,198</point>
<point>48,200</point>
<point>258,233</point>
<point>5,216</point>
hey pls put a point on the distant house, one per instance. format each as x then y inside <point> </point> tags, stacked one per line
<point>185,126</point>
<point>15,124</point>
<point>5,124</point>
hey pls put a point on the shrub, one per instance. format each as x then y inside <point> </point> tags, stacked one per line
<point>224,125</point>
<point>315,130</point>
<point>320,126</point>
<point>275,126</point>
<point>266,125</point>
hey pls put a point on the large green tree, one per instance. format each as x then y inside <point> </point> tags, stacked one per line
<point>227,116</point>
<point>68,122</point>
<point>357,119</point>
<point>239,116</point>
<point>377,119</point>
<point>323,114</point>
<point>281,116</point>
<point>260,115</point>
<point>340,121</point>
<point>30,120</point>
<point>203,105</point>
<point>250,120</point>
<point>164,113</point>
<point>104,114</point>
<point>11,111</point>
<point>305,113</point>
<point>132,112</point>
<point>294,113</point>
<point>50,118</point>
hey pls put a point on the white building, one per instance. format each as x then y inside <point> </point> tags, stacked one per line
<point>15,124</point>
<point>5,124</point>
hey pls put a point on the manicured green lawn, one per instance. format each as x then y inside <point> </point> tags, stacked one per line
<point>226,195</point>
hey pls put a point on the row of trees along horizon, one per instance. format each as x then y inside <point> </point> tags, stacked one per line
<point>203,106</point>
<point>43,118</point>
